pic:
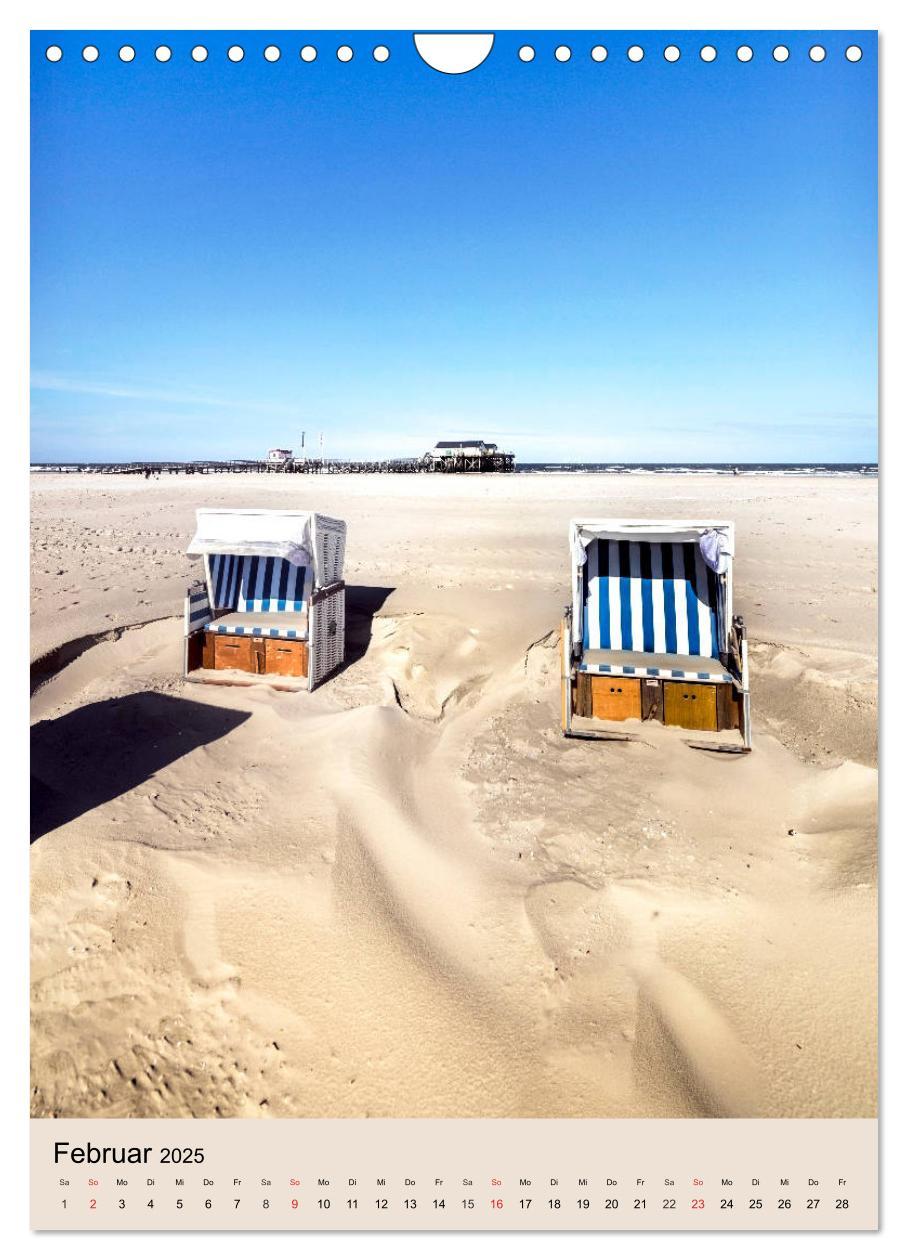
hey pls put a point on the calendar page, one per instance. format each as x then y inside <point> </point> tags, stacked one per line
<point>453,627</point>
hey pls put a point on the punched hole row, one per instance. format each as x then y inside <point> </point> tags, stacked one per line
<point>526,53</point>
<point>707,53</point>
<point>200,53</point>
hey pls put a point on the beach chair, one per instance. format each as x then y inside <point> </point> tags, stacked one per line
<point>650,634</point>
<point>273,599</point>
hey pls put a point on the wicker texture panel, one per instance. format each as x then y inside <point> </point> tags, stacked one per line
<point>331,538</point>
<point>326,636</point>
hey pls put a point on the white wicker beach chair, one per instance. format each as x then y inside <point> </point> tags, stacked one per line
<point>650,633</point>
<point>273,599</point>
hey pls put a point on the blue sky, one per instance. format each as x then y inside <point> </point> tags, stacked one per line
<point>608,261</point>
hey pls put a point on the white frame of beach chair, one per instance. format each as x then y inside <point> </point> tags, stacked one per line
<point>731,664</point>
<point>293,539</point>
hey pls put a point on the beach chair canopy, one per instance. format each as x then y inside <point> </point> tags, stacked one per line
<point>652,598</point>
<point>303,540</point>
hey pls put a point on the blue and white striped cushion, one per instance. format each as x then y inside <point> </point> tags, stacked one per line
<point>716,675</point>
<point>197,613</point>
<point>232,625</point>
<point>268,584</point>
<point>258,584</point>
<point>225,580</point>
<point>650,597</point>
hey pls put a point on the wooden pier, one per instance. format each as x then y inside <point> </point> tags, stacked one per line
<point>497,462</point>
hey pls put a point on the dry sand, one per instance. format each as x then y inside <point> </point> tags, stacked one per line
<point>406,894</point>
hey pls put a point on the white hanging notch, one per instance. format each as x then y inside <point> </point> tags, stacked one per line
<point>454,54</point>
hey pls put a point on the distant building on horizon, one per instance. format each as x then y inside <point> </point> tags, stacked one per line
<point>468,455</point>
<point>469,448</point>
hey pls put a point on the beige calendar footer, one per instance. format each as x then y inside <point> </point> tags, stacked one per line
<point>454,1174</point>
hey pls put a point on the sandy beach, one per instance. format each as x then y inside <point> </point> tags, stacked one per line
<point>406,894</point>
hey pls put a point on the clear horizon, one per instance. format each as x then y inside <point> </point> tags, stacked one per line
<point>583,262</point>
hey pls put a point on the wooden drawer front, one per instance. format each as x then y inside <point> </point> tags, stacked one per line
<point>582,695</point>
<point>615,699</point>
<point>729,705</point>
<point>234,651</point>
<point>651,699</point>
<point>208,649</point>
<point>691,705</point>
<point>286,656</point>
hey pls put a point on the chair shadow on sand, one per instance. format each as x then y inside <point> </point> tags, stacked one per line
<point>98,752</point>
<point>363,602</point>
